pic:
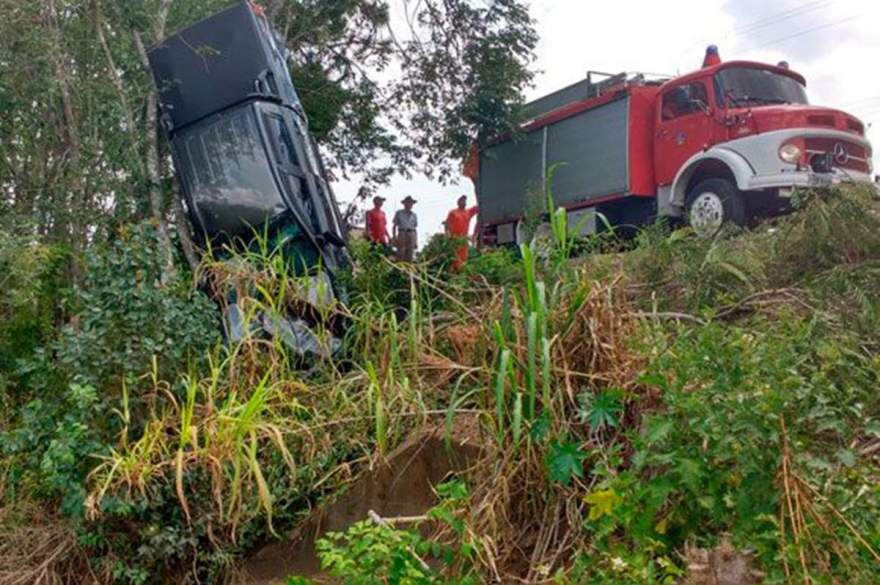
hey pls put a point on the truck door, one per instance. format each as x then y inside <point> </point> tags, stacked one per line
<point>683,128</point>
<point>291,163</point>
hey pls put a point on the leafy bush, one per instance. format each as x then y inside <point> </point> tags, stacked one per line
<point>79,384</point>
<point>52,448</point>
<point>739,407</point>
<point>499,267</point>
<point>372,552</point>
<point>130,312</point>
<point>373,277</point>
<point>626,405</point>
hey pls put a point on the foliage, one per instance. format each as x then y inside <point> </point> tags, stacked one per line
<point>496,266</point>
<point>128,316</point>
<point>370,553</point>
<point>374,552</point>
<point>440,252</point>
<point>565,461</point>
<point>53,447</point>
<point>481,48</point>
<point>32,279</point>
<point>78,385</point>
<point>78,131</point>
<point>627,406</point>
<point>373,278</point>
<point>816,249</point>
<point>708,463</point>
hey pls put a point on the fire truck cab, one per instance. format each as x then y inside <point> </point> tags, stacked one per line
<point>733,136</point>
<point>725,143</point>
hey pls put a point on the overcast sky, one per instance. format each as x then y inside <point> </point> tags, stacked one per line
<point>835,44</point>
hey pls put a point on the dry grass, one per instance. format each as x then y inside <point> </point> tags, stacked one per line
<point>529,526</point>
<point>37,549</point>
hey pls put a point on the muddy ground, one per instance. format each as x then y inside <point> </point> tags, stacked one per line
<point>401,484</point>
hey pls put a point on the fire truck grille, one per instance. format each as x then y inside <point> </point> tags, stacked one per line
<point>844,154</point>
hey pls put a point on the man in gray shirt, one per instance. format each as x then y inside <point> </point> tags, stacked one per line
<point>406,222</point>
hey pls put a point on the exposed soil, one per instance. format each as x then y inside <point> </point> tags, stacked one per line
<point>400,485</point>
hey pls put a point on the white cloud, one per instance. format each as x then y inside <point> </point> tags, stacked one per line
<point>833,43</point>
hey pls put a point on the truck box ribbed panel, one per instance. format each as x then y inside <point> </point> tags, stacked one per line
<point>510,173</point>
<point>591,151</point>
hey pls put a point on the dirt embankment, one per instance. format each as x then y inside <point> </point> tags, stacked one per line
<point>400,485</point>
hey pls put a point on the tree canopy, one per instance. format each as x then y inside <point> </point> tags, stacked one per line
<point>389,88</point>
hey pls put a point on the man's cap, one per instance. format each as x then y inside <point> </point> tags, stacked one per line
<point>409,199</point>
<point>378,200</point>
<point>462,197</point>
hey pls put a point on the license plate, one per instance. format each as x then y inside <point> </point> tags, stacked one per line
<point>821,180</point>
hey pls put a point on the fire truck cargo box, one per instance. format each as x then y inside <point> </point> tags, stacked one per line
<point>217,63</point>
<point>587,152</point>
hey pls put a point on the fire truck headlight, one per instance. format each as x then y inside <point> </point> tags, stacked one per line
<point>790,153</point>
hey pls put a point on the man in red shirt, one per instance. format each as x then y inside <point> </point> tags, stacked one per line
<point>377,224</point>
<point>458,226</point>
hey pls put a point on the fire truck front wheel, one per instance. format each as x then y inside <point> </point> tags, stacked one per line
<point>712,203</point>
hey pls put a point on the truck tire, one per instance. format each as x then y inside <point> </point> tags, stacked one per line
<point>713,203</point>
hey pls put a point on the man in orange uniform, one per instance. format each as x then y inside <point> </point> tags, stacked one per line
<point>458,226</point>
<point>377,224</point>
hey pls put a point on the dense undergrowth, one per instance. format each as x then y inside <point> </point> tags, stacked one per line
<point>632,404</point>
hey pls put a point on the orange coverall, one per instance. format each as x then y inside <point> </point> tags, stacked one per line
<point>457,225</point>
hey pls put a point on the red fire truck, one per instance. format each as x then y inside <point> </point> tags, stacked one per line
<point>722,144</point>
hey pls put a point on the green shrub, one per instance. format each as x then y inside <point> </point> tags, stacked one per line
<point>708,463</point>
<point>499,266</point>
<point>376,553</point>
<point>129,313</point>
<point>373,277</point>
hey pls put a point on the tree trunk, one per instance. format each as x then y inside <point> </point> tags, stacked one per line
<point>152,161</point>
<point>183,232</point>
<point>115,77</point>
<point>74,229</point>
<point>181,222</point>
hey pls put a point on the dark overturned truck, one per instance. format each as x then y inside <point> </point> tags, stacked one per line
<point>244,157</point>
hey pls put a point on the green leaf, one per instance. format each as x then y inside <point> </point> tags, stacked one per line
<point>658,429</point>
<point>565,460</point>
<point>602,503</point>
<point>601,410</point>
<point>847,457</point>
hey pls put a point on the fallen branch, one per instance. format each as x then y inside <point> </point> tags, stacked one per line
<point>670,315</point>
<point>774,296</point>
<point>383,522</point>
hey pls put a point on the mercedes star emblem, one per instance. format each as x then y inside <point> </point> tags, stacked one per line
<point>841,156</point>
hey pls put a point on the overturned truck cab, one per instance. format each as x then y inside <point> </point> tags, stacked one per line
<point>242,151</point>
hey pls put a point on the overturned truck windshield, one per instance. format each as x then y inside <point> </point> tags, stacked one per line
<point>239,138</point>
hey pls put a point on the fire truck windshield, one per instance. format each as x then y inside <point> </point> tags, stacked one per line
<point>747,86</point>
